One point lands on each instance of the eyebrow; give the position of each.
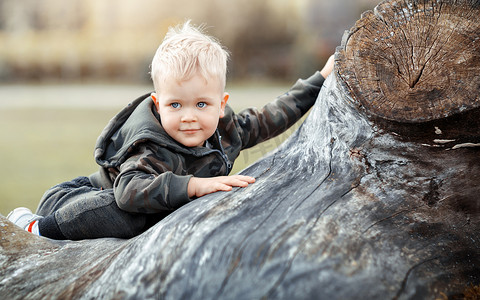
(201, 98)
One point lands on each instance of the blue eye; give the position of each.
(175, 105)
(201, 104)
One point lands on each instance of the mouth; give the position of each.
(189, 131)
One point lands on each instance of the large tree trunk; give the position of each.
(376, 196)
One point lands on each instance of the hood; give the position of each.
(136, 123)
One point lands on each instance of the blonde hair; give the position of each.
(185, 51)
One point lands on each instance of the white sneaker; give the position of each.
(23, 218)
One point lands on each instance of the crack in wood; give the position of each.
(417, 78)
(432, 196)
(405, 279)
(403, 211)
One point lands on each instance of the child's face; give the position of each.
(190, 110)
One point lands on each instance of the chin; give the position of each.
(191, 145)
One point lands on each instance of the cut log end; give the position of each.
(414, 62)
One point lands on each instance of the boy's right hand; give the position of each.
(198, 186)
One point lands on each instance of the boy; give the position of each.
(166, 148)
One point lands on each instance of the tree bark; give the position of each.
(376, 196)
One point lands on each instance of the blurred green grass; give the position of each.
(43, 146)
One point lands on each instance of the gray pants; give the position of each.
(83, 211)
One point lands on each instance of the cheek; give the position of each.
(168, 121)
(211, 121)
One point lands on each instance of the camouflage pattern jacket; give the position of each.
(149, 171)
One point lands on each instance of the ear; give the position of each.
(223, 104)
(154, 98)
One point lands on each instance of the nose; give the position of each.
(188, 116)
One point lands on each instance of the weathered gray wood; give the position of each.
(352, 206)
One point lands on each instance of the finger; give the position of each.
(248, 179)
(219, 187)
(237, 182)
(223, 187)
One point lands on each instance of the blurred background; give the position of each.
(66, 67)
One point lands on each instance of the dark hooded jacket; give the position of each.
(149, 171)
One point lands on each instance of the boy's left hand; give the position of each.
(328, 68)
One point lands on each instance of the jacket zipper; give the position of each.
(224, 156)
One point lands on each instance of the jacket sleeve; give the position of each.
(147, 184)
(256, 126)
